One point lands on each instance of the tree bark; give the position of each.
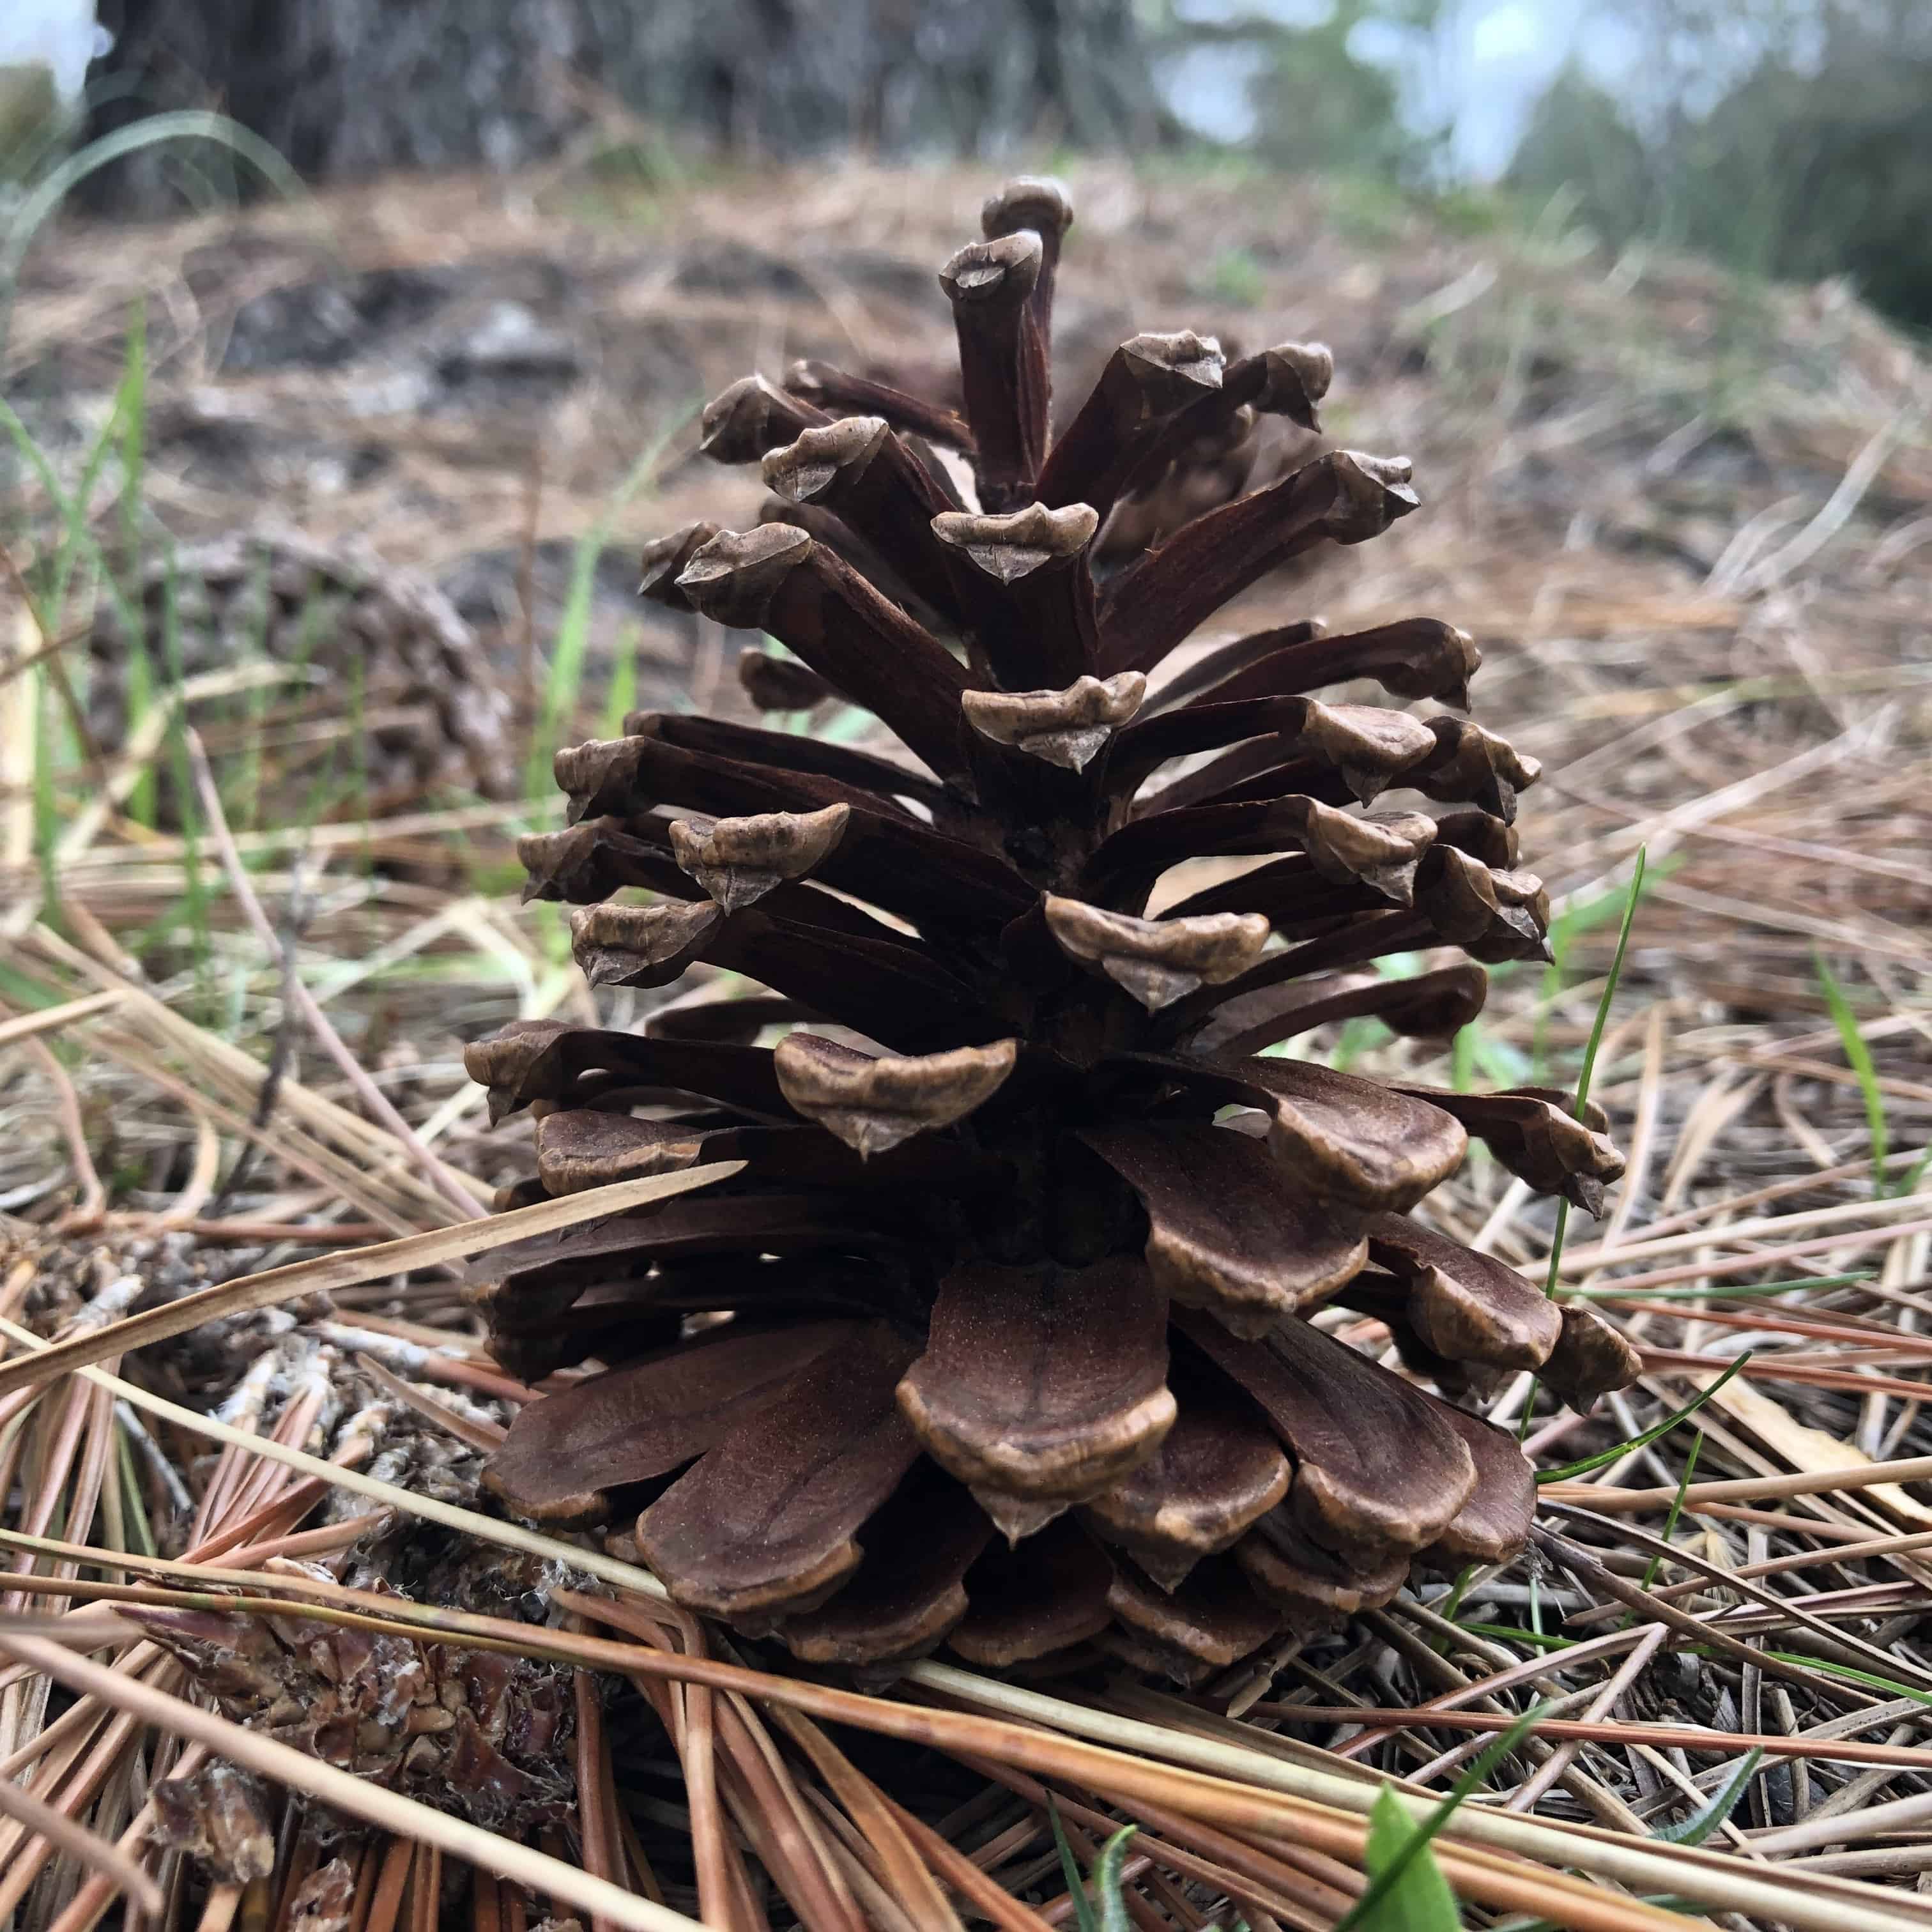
(346, 87)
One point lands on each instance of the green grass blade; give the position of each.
(133, 414)
(1533, 1640)
(1109, 1889)
(1564, 930)
(22, 440)
(572, 644)
(1858, 1055)
(1453, 1602)
(1605, 1458)
(130, 404)
(1561, 1231)
(183, 125)
(144, 802)
(1676, 1507)
(1407, 1891)
(1083, 1909)
(134, 410)
(1702, 1822)
(1612, 980)
(1596, 1040)
(144, 806)
(1869, 1679)
(1744, 1291)
(1367, 1914)
(621, 697)
(568, 654)
(248, 813)
(132, 1500)
(46, 803)
(195, 902)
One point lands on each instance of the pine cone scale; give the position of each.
(1222, 1234)
(766, 1524)
(561, 1460)
(1156, 604)
(911, 1592)
(1217, 1471)
(1495, 1521)
(1045, 1383)
(1214, 1618)
(1030, 1603)
(1376, 1468)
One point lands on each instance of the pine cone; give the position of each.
(1021, 1265)
(475, 1732)
(220, 1815)
(384, 652)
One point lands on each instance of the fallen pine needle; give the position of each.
(62, 1832)
(330, 1272)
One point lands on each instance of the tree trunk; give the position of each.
(344, 88)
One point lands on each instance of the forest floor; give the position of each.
(1688, 521)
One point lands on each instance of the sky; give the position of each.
(1493, 58)
(60, 32)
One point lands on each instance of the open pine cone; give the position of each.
(1022, 1263)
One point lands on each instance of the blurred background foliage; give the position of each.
(1813, 159)
(1789, 138)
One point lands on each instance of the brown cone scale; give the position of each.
(1004, 1339)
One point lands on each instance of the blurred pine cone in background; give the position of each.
(388, 701)
(1023, 1267)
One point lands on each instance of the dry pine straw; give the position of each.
(1762, 729)
(753, 1796)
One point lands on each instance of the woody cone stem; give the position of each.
(1034, 1211)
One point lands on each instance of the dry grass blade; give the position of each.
(1261, 1795)
(94, 1633)
(485, 1436)
(330, 1272)
(1677, 1737)
(1240, 1806)
(1805, 1482)
(907, 1876)
(51, 1019)
(372, 1097)
(989, 1901)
